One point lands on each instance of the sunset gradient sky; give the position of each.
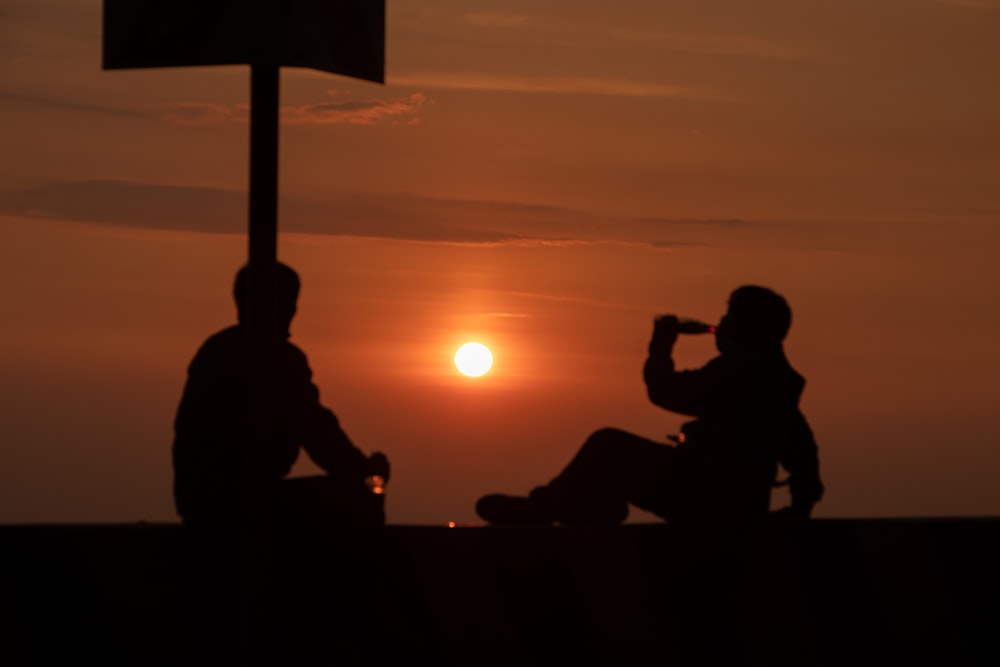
(541, 176)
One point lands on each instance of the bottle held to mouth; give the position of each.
(686, 325)
(690, 326)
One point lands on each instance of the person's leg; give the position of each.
(325, 499)
(328, 533)
(611, 469)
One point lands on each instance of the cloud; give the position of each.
(506, 315)
(496, 19)
(51, 102)
(367, 112)
(204, 113)
(557, 85)
(720, 44)
(340, 111)
(403, 217)
(133, 205)
(691, 221)
(583, 29)
(973, 4)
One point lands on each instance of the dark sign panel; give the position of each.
(338, 36)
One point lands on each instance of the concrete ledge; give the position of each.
(830, 592)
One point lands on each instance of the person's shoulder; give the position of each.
(781, 365)
(224, 339)
(293, 357)
(288, 347)
(222, 343)
(783, 376)
(794, 378)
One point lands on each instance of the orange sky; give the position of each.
(544, 177)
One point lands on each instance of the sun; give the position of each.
(473, 359)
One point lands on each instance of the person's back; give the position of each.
(213, 424)
(731, 451)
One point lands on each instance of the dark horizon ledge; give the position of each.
(827, 592)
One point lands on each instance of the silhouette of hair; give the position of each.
(286, 283)
(760, 314)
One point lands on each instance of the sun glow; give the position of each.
(473, 359)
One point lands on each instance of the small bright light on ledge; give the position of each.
(451, 524)
(473, 359)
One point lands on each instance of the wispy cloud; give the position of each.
(64, 104)
(336, 111)
(203, 113)
(496, 19)
(396, 216)
(366, 112)
(506, 315)
(722, 44)
(572, 31)
(557, 85)
(690, 221)
(130, 204)
(973, 4)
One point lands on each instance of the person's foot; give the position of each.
(502, 509)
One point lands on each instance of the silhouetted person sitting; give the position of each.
(212, 430)
(724, 462)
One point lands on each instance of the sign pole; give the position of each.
(258, 552)
(263, 223)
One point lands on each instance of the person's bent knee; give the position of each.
(602, 443)
(606, 434)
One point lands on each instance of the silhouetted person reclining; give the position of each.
(212, 430)
(724, 462)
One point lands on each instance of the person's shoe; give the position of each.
(501, 509)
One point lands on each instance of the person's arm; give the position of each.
(800, 457)
(328, 446)
(318, 430)
(686, 392)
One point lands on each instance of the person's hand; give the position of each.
(665, 330)
(378, 464)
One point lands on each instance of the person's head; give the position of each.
(286, 294)
(757, 319)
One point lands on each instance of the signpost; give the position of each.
(339, 36)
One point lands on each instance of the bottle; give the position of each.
(686, 325)
(375, 484)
